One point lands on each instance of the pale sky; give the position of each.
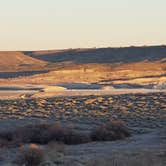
(58, 24)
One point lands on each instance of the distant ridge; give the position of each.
(102, 55)
(126, 65)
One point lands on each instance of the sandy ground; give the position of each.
(143, 150)
(9, 95)
(94, 92)
(36, 94)
(152, 141)
(85, 111)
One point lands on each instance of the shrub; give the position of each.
(4, 143)
(6, 139)
(37, 133)
(45, 133)
(6, 135)
(112, 130)
(31, 155)
(76, 138)
(48, 132)
(67, 135)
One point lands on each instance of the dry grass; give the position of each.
(54, 153)
(144, 158)
(30, 155)
(35, 155)
(55, 146)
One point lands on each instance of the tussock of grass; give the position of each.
(31, 155)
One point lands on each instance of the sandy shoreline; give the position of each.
(5, 95)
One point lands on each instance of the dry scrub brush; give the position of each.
(30, 155)
(43, 134)
(48, 132)
(110, 131)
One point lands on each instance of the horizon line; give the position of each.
(84, 48)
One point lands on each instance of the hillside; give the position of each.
(103, 55)
(107, 66)
(17, 61)
(141, 73)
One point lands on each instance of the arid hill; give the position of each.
(129, 65)
(103, 55)
(18, 61)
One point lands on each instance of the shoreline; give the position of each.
(18, 94)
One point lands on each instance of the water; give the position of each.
(17, 88)
(80, 86)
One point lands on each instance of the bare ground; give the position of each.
(143, 113)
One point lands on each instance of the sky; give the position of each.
(61, 24)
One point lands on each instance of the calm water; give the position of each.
(16, 88)
(81, 86)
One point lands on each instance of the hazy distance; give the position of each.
(54, 24)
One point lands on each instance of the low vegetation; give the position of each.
(31, 151)
(111, 131)
(31, 155)
(48, 132)
(35, 155)
(131, 158)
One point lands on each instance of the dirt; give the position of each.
(149, 148)
(143, 113)
(56, 92)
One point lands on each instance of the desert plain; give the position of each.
(84, 89)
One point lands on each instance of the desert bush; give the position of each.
(76, 138)
(37, 133)
(4, 143)
(6, 138)
(45, 133)
(6, 135)
(48, 132)
(66, 135)
(110, 131)
(30, 155)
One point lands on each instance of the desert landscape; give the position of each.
(83, 107)
(82, 83)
